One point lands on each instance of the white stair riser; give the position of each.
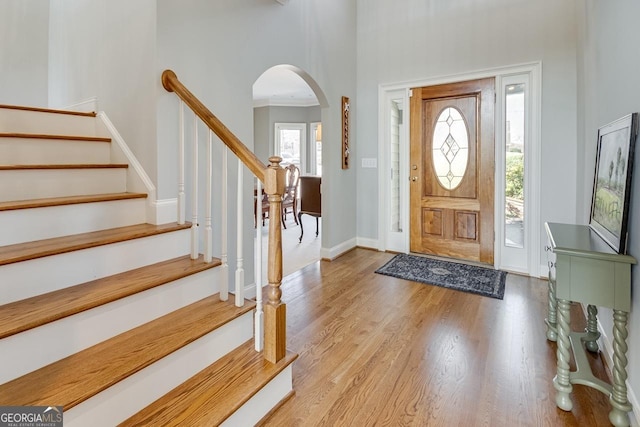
(41, 123)
(21, 353)
(263, 401)
(56, 221)
(129, 396)
(38, 276)
(43, 183)
(30, 151)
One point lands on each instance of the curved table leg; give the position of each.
(561, 381)
(591, 342)
(301, 227)
(551, 320)
(619, 414)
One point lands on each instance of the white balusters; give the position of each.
(239, 245)
(259, 315)
(194, 193)
(224, 286)
(181, 206)
(208, 231)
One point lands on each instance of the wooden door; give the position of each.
(452, 170)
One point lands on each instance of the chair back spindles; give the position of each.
(290, 197)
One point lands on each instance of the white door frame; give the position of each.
(387, 92)
(313, 156)
(302, 127)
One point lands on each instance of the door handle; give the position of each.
(414, 178)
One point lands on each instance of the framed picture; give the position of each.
(612, 181)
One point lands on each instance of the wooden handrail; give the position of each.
(273, 176)
(171, 83)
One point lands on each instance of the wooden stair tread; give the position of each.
(214, 394)
(55, 137)
(80, 376)
(68, 200)
(30, 313)
(70, 166)
(58, 245)
(48, 110)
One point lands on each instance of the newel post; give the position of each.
(275, 311)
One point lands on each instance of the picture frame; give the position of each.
(612, 181)
(346, 112)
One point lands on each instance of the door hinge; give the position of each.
(410, 93)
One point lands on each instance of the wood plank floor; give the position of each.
(375, 350)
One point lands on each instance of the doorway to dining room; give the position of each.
(287, 123)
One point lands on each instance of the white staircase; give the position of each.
(101, 312)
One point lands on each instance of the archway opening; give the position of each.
(288, 105)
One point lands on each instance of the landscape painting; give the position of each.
(612, 181)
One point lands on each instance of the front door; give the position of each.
(452, 170)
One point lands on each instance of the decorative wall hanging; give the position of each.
(345, 132)
(612, 182)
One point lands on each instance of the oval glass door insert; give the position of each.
(450, 148)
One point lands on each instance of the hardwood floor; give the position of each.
(375, 350)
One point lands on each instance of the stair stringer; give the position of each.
(26, 279)
(122, 400)
(83, 330)
(158, 211)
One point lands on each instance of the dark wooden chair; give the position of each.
(290, 197)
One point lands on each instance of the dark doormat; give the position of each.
(462, 277)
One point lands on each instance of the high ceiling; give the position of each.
(279, 86)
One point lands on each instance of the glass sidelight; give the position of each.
(514, 149)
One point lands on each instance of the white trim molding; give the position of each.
(85, 106)
(363, 242)
(394, 90)
(165, 211)
(332, 253)
(137, 178)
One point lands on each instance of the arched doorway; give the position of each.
(288, 107)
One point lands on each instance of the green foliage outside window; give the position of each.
(515, 176)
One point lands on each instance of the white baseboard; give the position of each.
(250, 291)
(137, 178)
(85, 106)
(334, 252)
(163, 211)
(363, 242)
(544, 271)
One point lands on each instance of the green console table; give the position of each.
(583, 268)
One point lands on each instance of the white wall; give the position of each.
(610, 88)
(219, 48)
(106, 49)
(409, 40)
(24, 43)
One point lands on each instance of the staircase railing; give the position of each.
(273, 177)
